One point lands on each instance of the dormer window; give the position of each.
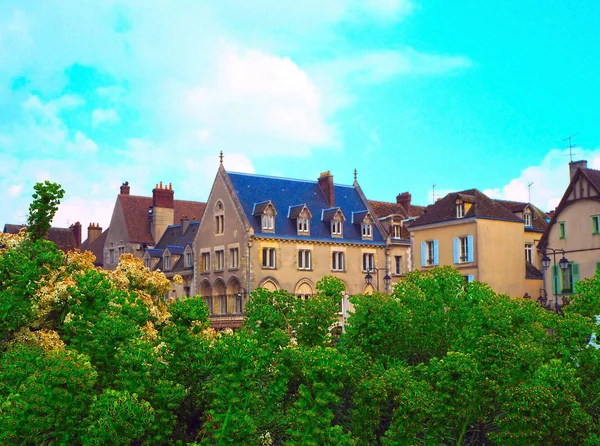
(460, 209)
(367, 230)
(167, 262)
(268, 222)
(336, 227)
(527, 218)
(302, 215)
(396, 231)
(147, 263)
(303, 225)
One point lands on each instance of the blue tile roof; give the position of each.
(285, 192)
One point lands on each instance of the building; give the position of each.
(95, 243)
(174, 254)
(575, 229)
(139, 222)
(281, 233)
(487, 240)
(66, 239)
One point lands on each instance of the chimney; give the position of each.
(404, 199)
(185, 223)
(326, 185)
(163, 210)
(574, 165)
(125, 188)
(94, 231)
(76, 228)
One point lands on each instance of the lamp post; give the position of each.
(386, 279)
(562, 263)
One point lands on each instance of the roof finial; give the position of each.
(355, 174)
(221, 157)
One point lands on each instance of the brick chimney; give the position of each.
(574, 165)
(94, 231)
(163, 210)
(185, 224)
(404, 199)
(125, 188)
(76, 228)
(326, 185)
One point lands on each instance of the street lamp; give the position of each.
(563, 265)
(386, 279)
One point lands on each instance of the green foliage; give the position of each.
(46, 199)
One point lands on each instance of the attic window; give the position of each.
(367, 230)
(268, 222)
(336, 227)
(460, 209)
(527, 218)
(167, 262)
(303, 225)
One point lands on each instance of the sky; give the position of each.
(411, 93)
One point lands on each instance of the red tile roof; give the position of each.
(63, 238)
(135, 211)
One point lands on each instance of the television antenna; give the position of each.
(570, 139)
(529, 187)
(433, 193)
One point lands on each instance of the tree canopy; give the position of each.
(90, 356)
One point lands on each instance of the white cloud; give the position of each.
(104, 116)
(85, 211)
(550, 179)
(15, 190)
(83, 145)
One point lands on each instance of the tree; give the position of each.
(46, 199)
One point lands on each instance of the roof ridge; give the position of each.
(273, 177)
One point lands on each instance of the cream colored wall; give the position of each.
(287, 275)
(445, 234)
(581, 246)
(501, 256)
(234, 235)
(161, 219)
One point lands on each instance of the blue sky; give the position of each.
(411, 93)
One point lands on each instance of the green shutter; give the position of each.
(575, 274)
(555, 279)
(597, 267)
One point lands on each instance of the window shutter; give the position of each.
(597, 267)
(456, 250)
(575, 274)
(423, 254)
(470, 247)
(435, 253)
(470, 278)
(555, 279)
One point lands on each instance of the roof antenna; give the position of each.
(221, 157)
(433, 193)
(570, 137)
(355, 174)
(529, 187)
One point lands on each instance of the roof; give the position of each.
(135, 212)
(295, 211)
(384, 209)
(482, 207)
(328, 214)
(63, 238)
(286, 192)
(593, 176)
(175, 242)
(531, 272)
(539, 219)
(96, 247)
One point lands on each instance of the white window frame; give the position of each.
(148, 262)
(430, 252)
(464, 250)
(338, 261)
(396, 231)
(167, 262)
(303, 225)
(529, 253)
(527, 218)
(367, 230)
(460, 210)
(368, 262)
(188, 259)
(269, 259)
(305, 259)
(336, 227)
(268, 222)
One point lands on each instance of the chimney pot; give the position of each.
(404, 199)
(94, 231)
(125, 188)
(574, 165)
(163, 197)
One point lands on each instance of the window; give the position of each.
(205, 264)
(595, 224)
(397, 265)
(238, 303)
(336, 227)
(234, 258)
(564, 281)
(463, 249)
(396, 231)
(337, 261)
(367, 230)
(121, 250)
(167, 262)
(529, 252)
(147, 263)
(368, 262)
(460, 210)
(429, 252)
(268, 258)
(188, 259)
(186, 291)
(303, 225)
(527, 218)
(304, 259)
(219, 222)
(111, 253)
(562, 230)
(219, 260)
(268, 222)
(223, 304)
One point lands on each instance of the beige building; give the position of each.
(487, 240)
(574, 229)
(281, 233)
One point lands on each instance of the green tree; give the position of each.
(46, 199)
